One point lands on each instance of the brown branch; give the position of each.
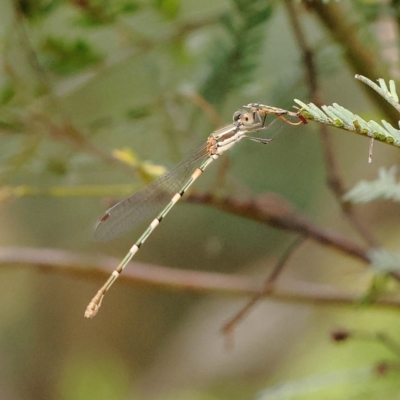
(268, 286)
(83, 267)
(275, 211)
(307, 52)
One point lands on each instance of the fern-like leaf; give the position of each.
(384, 261)
(385, 187)
(234, 59)
(390, 95)
(342, 118)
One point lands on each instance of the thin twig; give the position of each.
(392, 345)
(32, 58)
(228, 327)
(94, 267)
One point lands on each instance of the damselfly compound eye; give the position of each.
(236, 116)
(247, 119)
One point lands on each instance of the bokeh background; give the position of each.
(97, 97)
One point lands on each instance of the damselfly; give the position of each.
(165, 191)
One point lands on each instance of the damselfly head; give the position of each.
(245, 119)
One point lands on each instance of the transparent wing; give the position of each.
(147, 202)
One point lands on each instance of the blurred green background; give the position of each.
(83, 78)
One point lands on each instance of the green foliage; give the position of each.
(340, 117)
(235, 57)
(87, 377)
(36, 9)
(96, 12)
(57, 166)
(67, 57)
(389, 94)
(309, 386)
(383, 188)
(362, 383)
(370, 10)
(6, 94)
(65, 144)
(169, 8)
(380, 282)
(138, 113)
(384, 261)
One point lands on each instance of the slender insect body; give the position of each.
(168, 189)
